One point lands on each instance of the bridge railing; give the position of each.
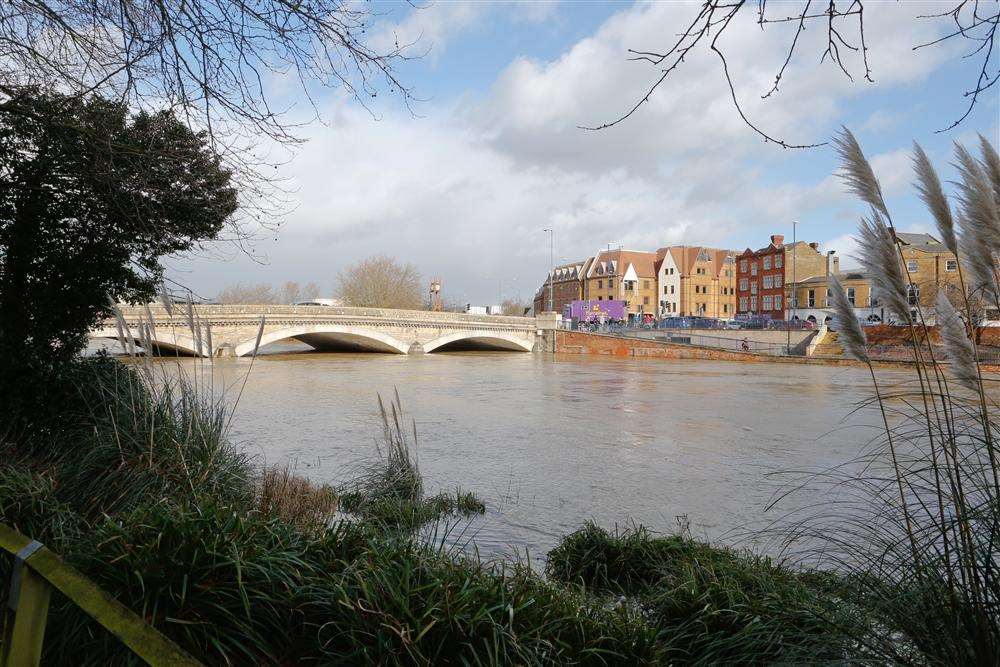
(254, 311)
(35, 573)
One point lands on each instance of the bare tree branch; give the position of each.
(845, 32)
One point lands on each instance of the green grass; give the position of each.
(713, 605)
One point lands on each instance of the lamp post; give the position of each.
(795, 295)
(552, 234)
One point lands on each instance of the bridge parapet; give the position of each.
(252, 311)
(234, 328)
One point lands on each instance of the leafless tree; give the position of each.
(214, 60)
(256, 294)
(974, 21)
(223, 65)
(382, 282)
(513, 307)
(309, 292)
(290, 292)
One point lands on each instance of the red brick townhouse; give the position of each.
(760, 280)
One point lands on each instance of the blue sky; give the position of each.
(492, 155)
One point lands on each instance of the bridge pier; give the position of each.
(416, 348)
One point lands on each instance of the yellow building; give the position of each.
(929, 266)
(694, 280)
(628, 275)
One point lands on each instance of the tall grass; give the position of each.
(711, 605)
(391, 489)
(915, 524)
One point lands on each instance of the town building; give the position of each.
(929, 266)
(765, 277)
(567, 286)
(695, 280)
(812, 294)
(627, 275)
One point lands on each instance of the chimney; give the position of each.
(835, 261)
(777, 239)
(814, 246)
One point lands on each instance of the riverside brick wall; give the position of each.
(577, 342)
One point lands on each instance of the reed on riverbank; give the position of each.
(915, 525)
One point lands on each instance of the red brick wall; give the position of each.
(576, 342)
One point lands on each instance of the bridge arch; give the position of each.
(494, 340)
(330, 336)
(165, 341)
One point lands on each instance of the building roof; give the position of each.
(924, 242)
(618, 261)
(770, 247)
(685, 257)
(821, 278)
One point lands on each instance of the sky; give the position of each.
(463, 183)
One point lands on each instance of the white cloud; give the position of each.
(428, 27)
(534, 109)
(464, 193)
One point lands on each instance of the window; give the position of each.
(767, 264)
(777, 261)
(725, 307)
(600, 284)
(645, 284)
(600, 298)
(767, 303)
(664, 289)
(671, 289)
(743, 285)
(753, 269)
(671, 271)
(828, 295)
(629, 285)
(645, 300)
(777, 302)
(753, 303)
(951, 265)
(850, 295)
(913, 294)
(811, 298)
(743, 304)
(743, 267)
(753, 288)
(767, 282)
(611, 283)
(911, 265)
(611, 298)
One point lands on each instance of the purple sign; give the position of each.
(595, 311)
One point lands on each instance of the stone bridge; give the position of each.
(233, 329)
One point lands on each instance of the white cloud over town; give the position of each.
(464, 190)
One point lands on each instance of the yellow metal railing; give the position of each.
(36, 572)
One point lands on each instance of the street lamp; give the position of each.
(552, 234)
(795, 294)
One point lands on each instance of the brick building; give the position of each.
(760, 280)
(764, 277)
(567, 286)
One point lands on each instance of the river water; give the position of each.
(549, 443)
